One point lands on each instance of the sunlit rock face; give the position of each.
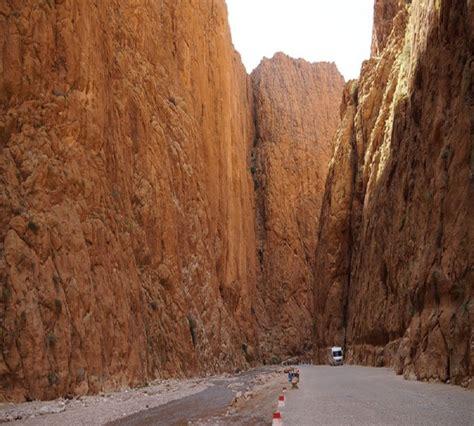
(395, 254)
(160, 209)
(385, 12)
(296, 114)
(127, 243)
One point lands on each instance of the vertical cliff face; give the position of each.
(395, 246)
(296, 113)
(385, 12)
(159, 208)
(334, 245)
(127, 247)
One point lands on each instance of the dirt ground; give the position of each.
(254, 409)
(246, 398)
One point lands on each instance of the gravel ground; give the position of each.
(351, 395)
(210, 406)
(163, 402)
(99, 409)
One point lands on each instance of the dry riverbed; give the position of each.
(225, 398)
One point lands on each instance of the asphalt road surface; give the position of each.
(351, 395)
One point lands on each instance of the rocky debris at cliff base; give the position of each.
(102, 408)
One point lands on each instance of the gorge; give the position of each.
(165, 214)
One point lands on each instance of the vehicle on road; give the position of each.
(335, 356)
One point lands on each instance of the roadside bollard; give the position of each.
(281, 401)
(277, 420)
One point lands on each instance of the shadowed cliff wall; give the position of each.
(395, 253)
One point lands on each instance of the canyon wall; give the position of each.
(160, 209)
(296, 115)
(127, 243)
(394, 267)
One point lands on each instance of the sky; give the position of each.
(316, 30)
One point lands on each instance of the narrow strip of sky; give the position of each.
(317, 30)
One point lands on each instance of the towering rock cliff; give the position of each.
(395, 254)
(296, 115)
(127, 245)
(159, 208)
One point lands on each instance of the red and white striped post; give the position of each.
(277, 419)
(281, 401)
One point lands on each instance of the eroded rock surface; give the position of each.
(296, 115)
(126, 201)
(155, 222)
(396, 245)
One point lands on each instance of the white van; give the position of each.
(335, 355)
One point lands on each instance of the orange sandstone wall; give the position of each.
(297, 113)
(127, 246)
(396, 245)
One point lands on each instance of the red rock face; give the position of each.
(155, 221)
(126, 204)
(385, 12)
(296, 110)
(396, 232)
(128, 217)
(333, 252)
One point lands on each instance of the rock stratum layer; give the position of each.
(296, 116)
(395, 254)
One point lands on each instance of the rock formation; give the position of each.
(160, 209)
(127, 227)
(127, 244)
(395, 254)
(296, 115)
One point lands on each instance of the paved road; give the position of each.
(351, 395)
